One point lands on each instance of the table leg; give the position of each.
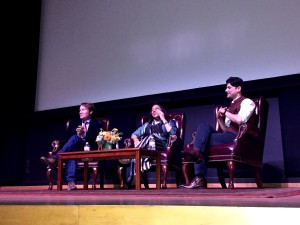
(158, 168)
(85, 174)
(138, 170)
(59, 173)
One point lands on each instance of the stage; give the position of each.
(36, 205)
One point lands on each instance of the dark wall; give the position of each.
(28, 134)
(21, 33)
(289, 105)
(32, 139)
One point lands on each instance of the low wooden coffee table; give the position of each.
(95, 155)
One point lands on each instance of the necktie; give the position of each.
(84, 126)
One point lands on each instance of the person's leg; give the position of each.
(131, 173)
(73, 144)
(202, 137)
(144, 175)
(71, 170)
(215, 138)
(221, 138)
(201, 140)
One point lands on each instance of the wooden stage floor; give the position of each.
(247, 197)
(215, 206)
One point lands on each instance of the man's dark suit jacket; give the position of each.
(93, 131)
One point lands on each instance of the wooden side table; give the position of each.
(95, 155)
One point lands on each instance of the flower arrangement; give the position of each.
(106, 139)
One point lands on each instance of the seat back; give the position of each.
(248, 146)
(104, 121)
(57, 144)
(261, 110)
(172, 154)
(176, 116)
(258, 119)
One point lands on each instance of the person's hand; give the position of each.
(136, 143)
(135, 140)
(222, 111)
(80, 131)
(161, 114)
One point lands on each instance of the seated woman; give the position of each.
(157, 129)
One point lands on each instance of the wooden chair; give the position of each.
(168, 155)
(247, 148)
(57, 144)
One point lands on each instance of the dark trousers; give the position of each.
(73, 144)
(206, 136)
(144, 175)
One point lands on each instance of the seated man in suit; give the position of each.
(81, 130)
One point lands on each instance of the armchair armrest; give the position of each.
(166, 153)
(250, 131)
(128, 143)
(56, 146)
(251, 144)
(171, 141)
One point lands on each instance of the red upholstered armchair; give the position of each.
(170, 154)
(247, 148)
(56, 145)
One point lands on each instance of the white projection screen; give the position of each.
(103, 50)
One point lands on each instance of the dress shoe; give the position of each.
(124, 187)
(71, 185)
(51, 162)
(129, 186)
(196, 183)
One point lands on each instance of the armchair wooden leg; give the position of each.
(101, 173)
(185, 172)
(120, 175)
(178, 177)
(49, 172)
(95, 174)
(231, 168)
(164, 176)
(221, 177)
(258, 178)
(145, 179)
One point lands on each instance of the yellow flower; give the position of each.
(114, 138)
(108, 137)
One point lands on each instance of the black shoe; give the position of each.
(50, 162)
(131, 187)
(127, 187)
(196, 183)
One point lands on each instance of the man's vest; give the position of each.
(234, 108)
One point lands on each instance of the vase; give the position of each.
(108, 146)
